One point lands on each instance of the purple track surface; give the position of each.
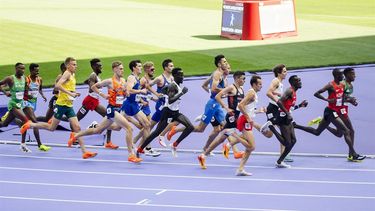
(61, 180)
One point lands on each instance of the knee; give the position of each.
(250, 148)
(190, 128)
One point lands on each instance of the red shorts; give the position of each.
(243, 124)
(90, 103)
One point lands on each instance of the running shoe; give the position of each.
(173, 150)
(161, 141)
(93, 124)
(243, 173)
(88, 154)
(139, 152)
(198, 118)
(171, 132)
(288, 159)
(226, 148)
(49, 121)
(282, 165)
(110, 145)
(25, 127)
(238, 155)
(315, 121)
(5, 116)
(202, 161)
(71, 139)
(152, 152)
(24, 148)
(356, 158)
(44, 148)
(265, 127)
(134, 159)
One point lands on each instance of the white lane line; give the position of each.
(144, 201)
(134, 204)
(189, 164)
(186, 191)
(162, 191)
(189, 176)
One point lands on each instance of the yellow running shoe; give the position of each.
(315, 121)
(44, 148)
(5, 116)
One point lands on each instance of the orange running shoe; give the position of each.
(134, 159)
(171, 132)
(202, 161)
(71, 139)
(110, 145)
(226, 150)
(88, 154)
(238, 155)
(25, 127)
(49, 121)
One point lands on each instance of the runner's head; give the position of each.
(19, 68)
(34, 69)
(256, 83)
(96, 65)
(178, 75)
(118, 68)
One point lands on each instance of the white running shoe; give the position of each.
(243, 173)
(173, 150)
(24, 148)
(265, 128)
(152, 152)
(198, 118)
(93, 124)
(282, 165)
(161, 141)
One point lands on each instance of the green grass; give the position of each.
(297, 55)
(350, 25)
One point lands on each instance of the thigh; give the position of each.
(183, 120)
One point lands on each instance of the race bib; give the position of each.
(19, 95)
(335, 114)
(343, 111)
(169, 120)
(270, 116)
(248, 126)
(34, 94)
(119, 99)
(71, 98)
(232, 119)
(282, 114)
(138, 98)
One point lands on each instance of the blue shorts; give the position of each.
(213, 110)
(146, 110)
(130, 108)
(111, 111)
(29, 104)
(157, 115)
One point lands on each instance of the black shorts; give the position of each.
(282, 119)
(231, 121)
(52, 102)
(111, 111)
(169, 115)
(330, 114)
(272, 113)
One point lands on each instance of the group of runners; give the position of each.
(129, 104)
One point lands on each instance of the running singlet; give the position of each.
(338, 95)
(116, 95)
(175, 106)
(92, 93)
(135, 97)
(161, 101)
(280, 90)
(33, 89)
(348, 91)
(64, 99)
(289, 103)
(17, 91)
(235, 99)
(251, 107)
(221, 85)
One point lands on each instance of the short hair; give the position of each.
(176, 70)
(18, 64)
(348, 70)
(278, 69)
(218, 58)
(62, 66)
(116, 64)
(147, 64)
(33, 66)
(133, 64)
(68, 60)
(238, 74)
(254, 79)
(165, 63)
(335, 71)
(292, 78)
(94, 61)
